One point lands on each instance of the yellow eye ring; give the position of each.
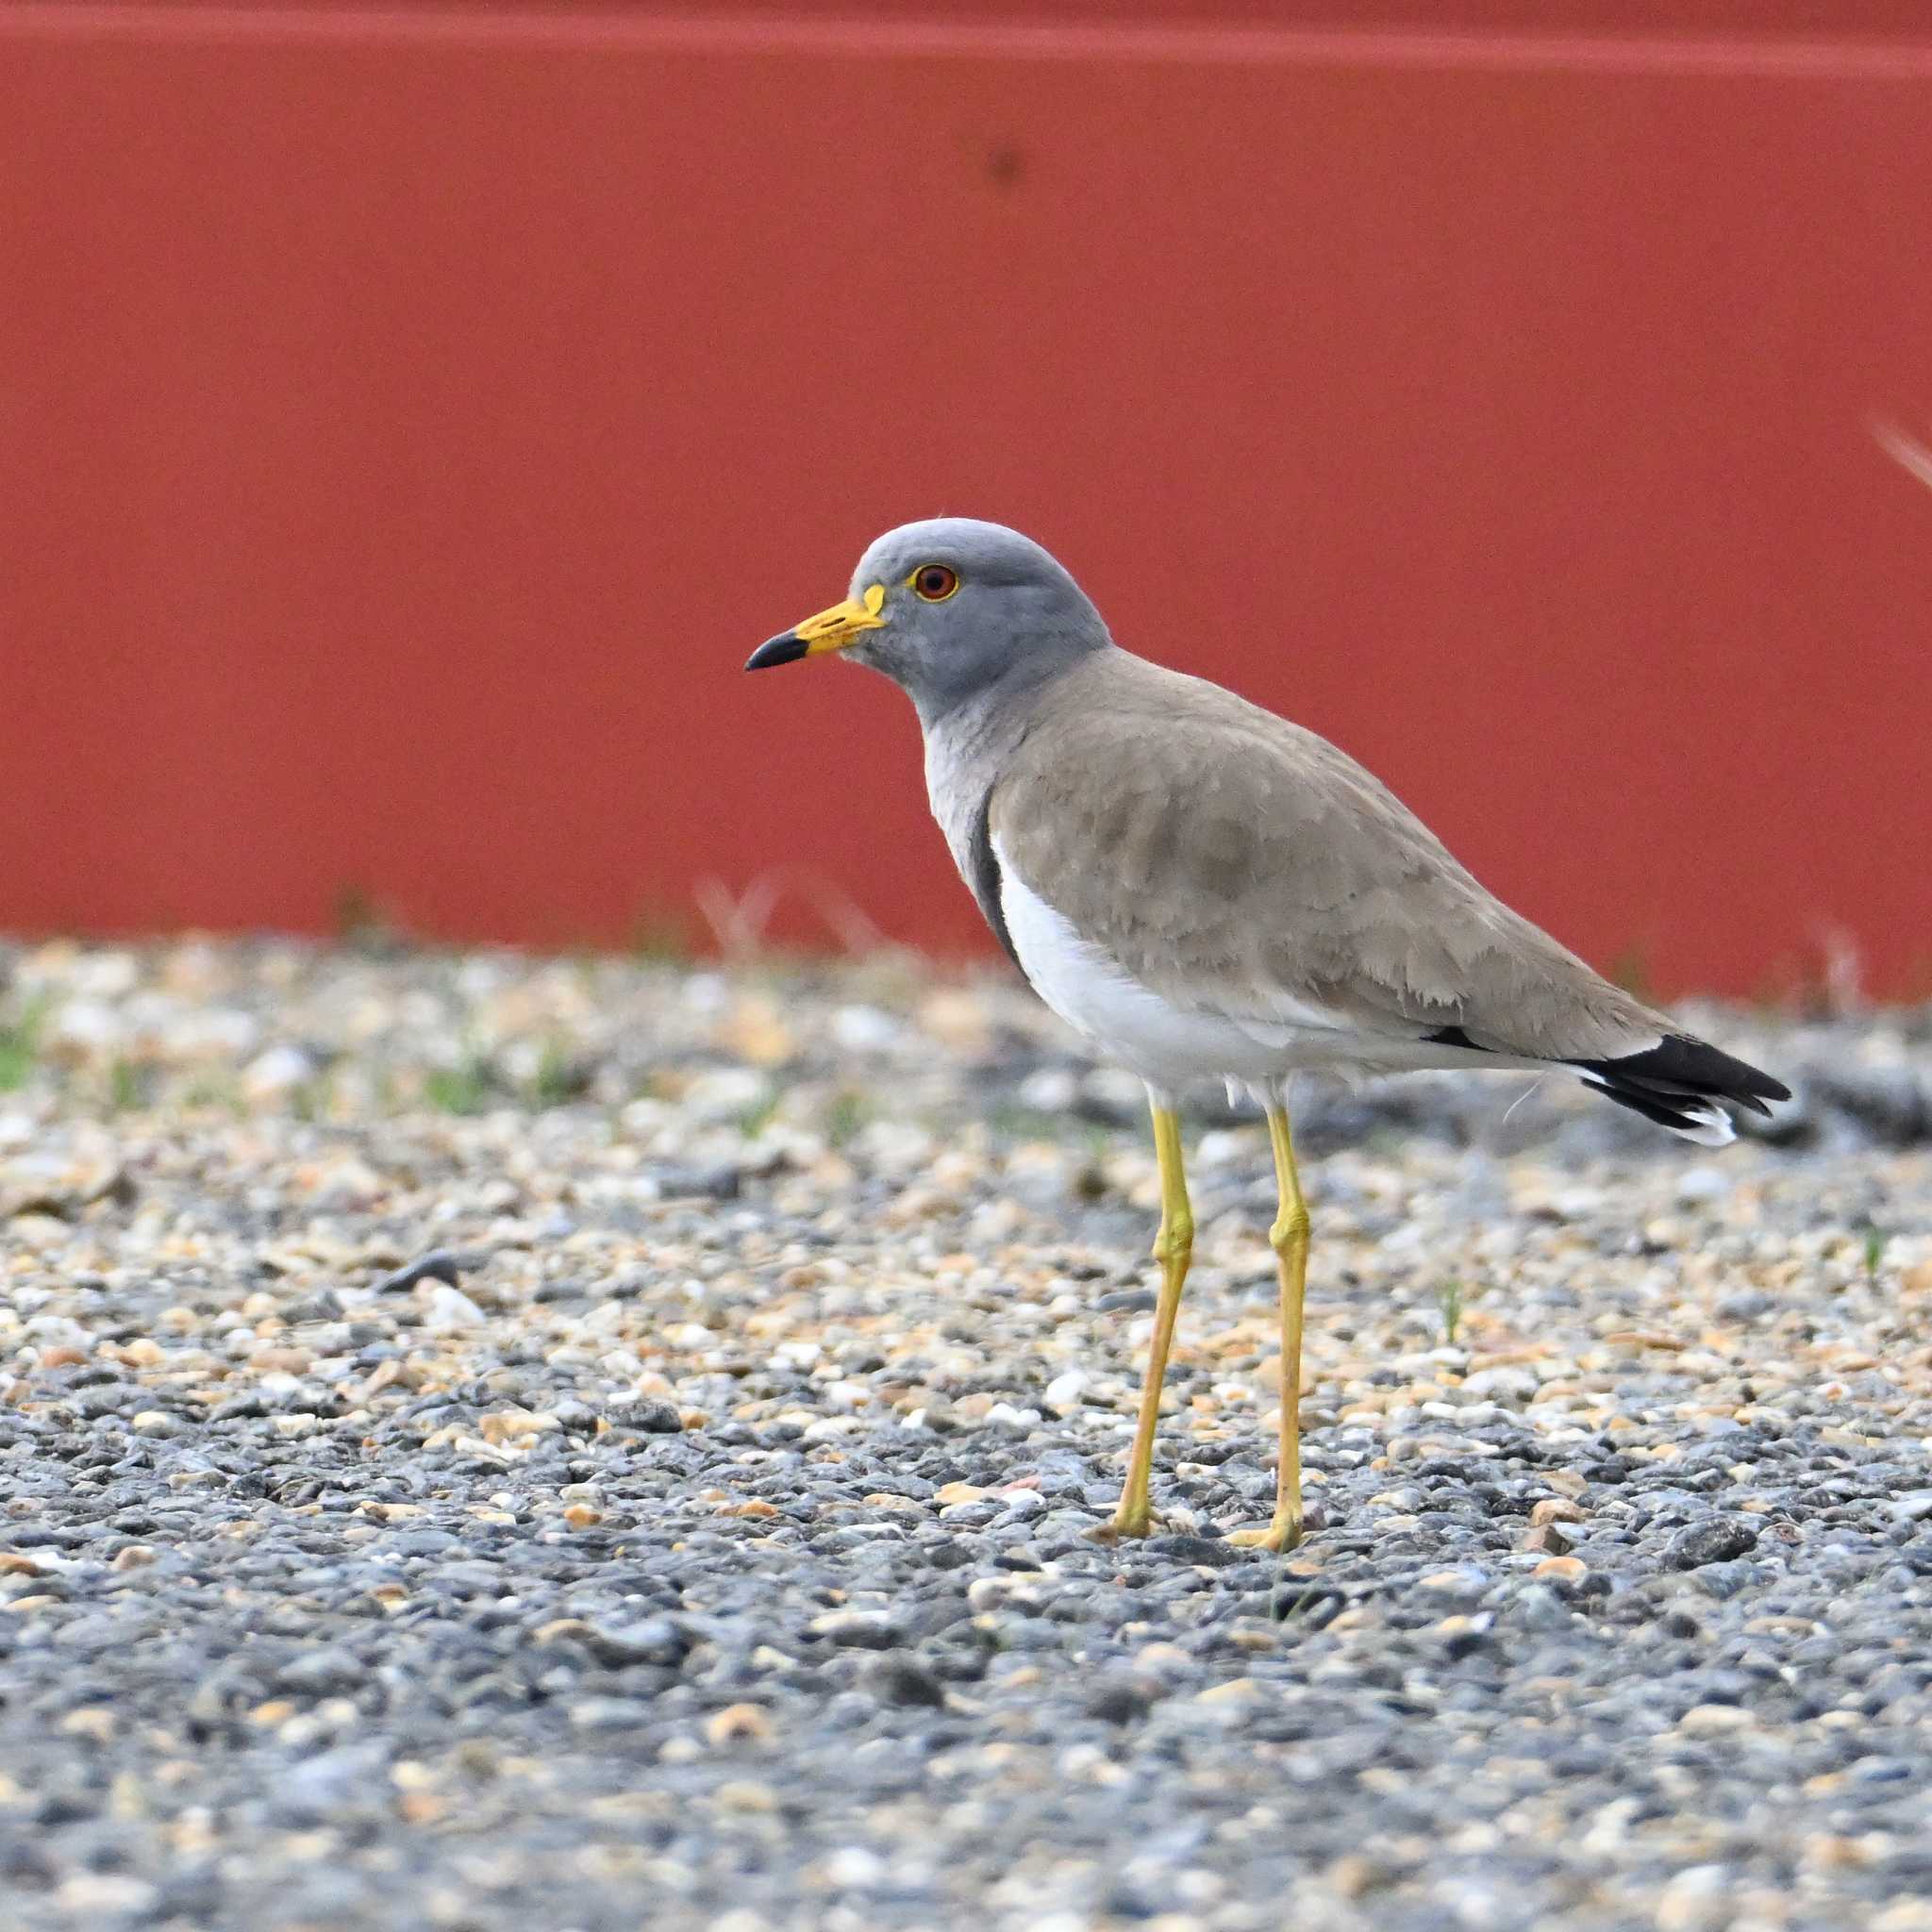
(934, 582)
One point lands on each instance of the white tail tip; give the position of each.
(1712, 1127)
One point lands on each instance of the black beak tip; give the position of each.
(782, 649)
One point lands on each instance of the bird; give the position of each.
(1206, 892)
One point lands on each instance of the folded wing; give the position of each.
(1241, 865)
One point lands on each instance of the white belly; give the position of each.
(1135, 1026)
(1170, 1046)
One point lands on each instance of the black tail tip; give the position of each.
(1680, 1068)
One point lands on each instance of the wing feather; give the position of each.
(1240, 864)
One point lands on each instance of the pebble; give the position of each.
(449, 1309)
(902, 1680)
(665, 1489)
(1721, 1540)
(738, 1723)
(277, 1073)
(1062, 1395)
(857, 1629)
(1561, 1570)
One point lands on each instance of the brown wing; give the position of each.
(1235, 862)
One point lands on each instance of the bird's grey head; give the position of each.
(950, 609)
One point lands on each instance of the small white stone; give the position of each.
(992, 1592)
(1703, 1184)
(94, 1895)
(1052, 1090)
(727, 1092)
(1064, 1391)
(864, 1029)
(450, 1308)
(854, 1866)
(279, 1070)
(1118, 1089)
(1695, 1900)
(1578, 1203)
(1707, 1720)
(1502, 1385)
(223, 1032)
(1014, 1417)
(106, 976)
(828, 1428)
(88, 1025)
(1219, 1147)
(707, 992)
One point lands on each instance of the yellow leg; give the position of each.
(1289, 1238)
(1172, 1246)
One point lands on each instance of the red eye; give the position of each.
(935, 582)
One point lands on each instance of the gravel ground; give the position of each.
(488, 1443)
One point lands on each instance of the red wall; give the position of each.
(411, 420)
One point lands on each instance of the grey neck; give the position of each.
(968, 744)
(985, 728)
(998, 709)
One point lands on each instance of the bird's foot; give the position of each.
(1284, 1533)
(1125, 1525)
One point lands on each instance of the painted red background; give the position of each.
(410, 419)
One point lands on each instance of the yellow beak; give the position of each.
(831, 630)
